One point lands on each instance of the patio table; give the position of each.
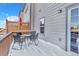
(24, 31)
(26, 37)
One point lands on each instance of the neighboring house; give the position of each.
(2, 30)
(53, 22)
(12, 26)
(25, 14)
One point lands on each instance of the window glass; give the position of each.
(42, 25)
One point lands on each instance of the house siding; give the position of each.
(55, 23)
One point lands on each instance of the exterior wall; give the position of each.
(14, 26)
(55, 22)
(32, 10)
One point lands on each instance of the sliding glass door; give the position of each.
(73, 18)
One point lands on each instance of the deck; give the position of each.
(43, 49)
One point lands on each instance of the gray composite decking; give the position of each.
(43, 49)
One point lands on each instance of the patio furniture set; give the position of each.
(30, 38)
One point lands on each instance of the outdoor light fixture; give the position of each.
(60, 11)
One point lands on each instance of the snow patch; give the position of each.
(13, 18)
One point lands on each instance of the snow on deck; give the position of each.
(43, 49)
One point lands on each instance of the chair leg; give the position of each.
(36, 43)
(28, 43)
(25, 42)
(20, 45)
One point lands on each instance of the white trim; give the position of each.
(68, 32)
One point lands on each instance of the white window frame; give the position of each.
(43, 18)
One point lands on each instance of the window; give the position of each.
(42, 25)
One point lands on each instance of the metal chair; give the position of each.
(33, 33)
(36, 41)
(34, 38)
(19, 40)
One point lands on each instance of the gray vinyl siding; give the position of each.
(55, 23)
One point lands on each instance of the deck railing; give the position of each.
(5, 43)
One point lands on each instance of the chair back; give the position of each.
(36, 36)
(16, 38)
(33, 33)
(18, 34)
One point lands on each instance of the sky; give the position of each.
(7, 10)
